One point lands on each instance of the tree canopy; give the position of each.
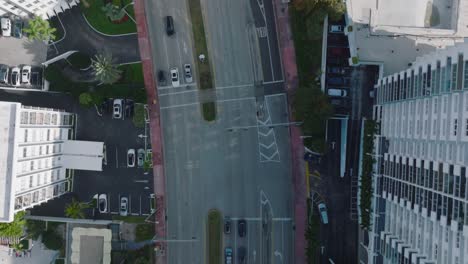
(15, 228)
(39, 29)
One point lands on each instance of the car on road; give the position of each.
(336, 29)
(169, 26)
(6, 26)
(228, 255)
(336, 92)
(117, 109)
(161, 77)
(102, 203)
(18, 28)
(227, 225)
(188, 73)
(241, 252)
(242, 227)
(4, 70)
(15, 76)
(175, 77)
(131, 158)
(26, 74)
(323, 213)
(140, 157)
(123, 206)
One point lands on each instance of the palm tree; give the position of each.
(104, 68)
(75, 209)
(40, 29)
(113, 12)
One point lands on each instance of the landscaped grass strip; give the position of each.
(205, 76)
(214, 237)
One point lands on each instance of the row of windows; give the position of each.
(38, 164)
(30, 199)
(419, 84)
(45, 134)
(442, 193)
(41, 150)
(39, 179)
(41, 118)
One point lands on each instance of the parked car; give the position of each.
(102, 203)
(242, 227)
(6, 26)
(161, 77)
(227, 225)
(117, 112)
(131, 158)
(228, 255)
(15, 76)
(169, 26)
(26, 75)
(188, 73)
(323, 213)
(141, 157)
(175, 77)
(336, 70)
(336, 29)
(338, 81)
(241, 253)
(336, 92)
(18, 28)
(338, 52)
(4, 70)
(123, 206)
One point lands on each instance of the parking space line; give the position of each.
(140, 204)
(116, 158)
(114, 213)
(273, 82)
(134, 214)
(108, 202)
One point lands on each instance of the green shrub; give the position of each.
(35, 228)
(355, 60)
(52, 240)
(144, 232)
(86, 99)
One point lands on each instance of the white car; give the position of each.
(117, 109)
(131, 158)
(26, 75)
(123, 206)
(175, 77)
(141, 157)
(6, 26)
(102, 203)
(188, 73)
(15, 76)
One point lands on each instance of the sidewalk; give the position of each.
(155, 129)
(288, 56)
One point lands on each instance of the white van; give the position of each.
(337, 92)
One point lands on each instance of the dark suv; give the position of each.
(170, 26)
(242, 227)
(227, 225)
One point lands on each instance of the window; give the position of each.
(466, 127)
(25, 150)
(31, 165)
(24, 117)
(455, 126)
(445, 104)
(30, 181)
(435, 105)
(25, 135)
(455, 103)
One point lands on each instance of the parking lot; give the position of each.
(18, 51)
(116, 179)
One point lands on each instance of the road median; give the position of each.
(214, 237)
(203, 72)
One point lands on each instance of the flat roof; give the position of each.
(91, 245)
(83, 155)
(9, 118)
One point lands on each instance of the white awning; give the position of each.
(83, 155)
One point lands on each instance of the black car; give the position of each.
(242, 227)
(169, 26)
(241, 252)
(227, 225)
(161, 77)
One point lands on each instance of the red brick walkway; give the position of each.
(288, 56)
(155, 126)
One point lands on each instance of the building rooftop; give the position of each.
(9, 117)
(91, 245)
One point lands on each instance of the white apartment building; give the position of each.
(38, 156)
(42, 8)
(420, 206)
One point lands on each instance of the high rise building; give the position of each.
(38, 156)
(420, 200)
(42, 8)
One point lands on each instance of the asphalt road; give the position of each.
(244, 173)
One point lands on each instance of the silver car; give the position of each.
(188, 73)
(140, 157)
(123, 206)
(4, 70)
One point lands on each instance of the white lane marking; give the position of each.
(166, 87)
(274, 134)
(235, 86)
(273, 82)
(256, 219)
(116, 158)
(267, 147)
